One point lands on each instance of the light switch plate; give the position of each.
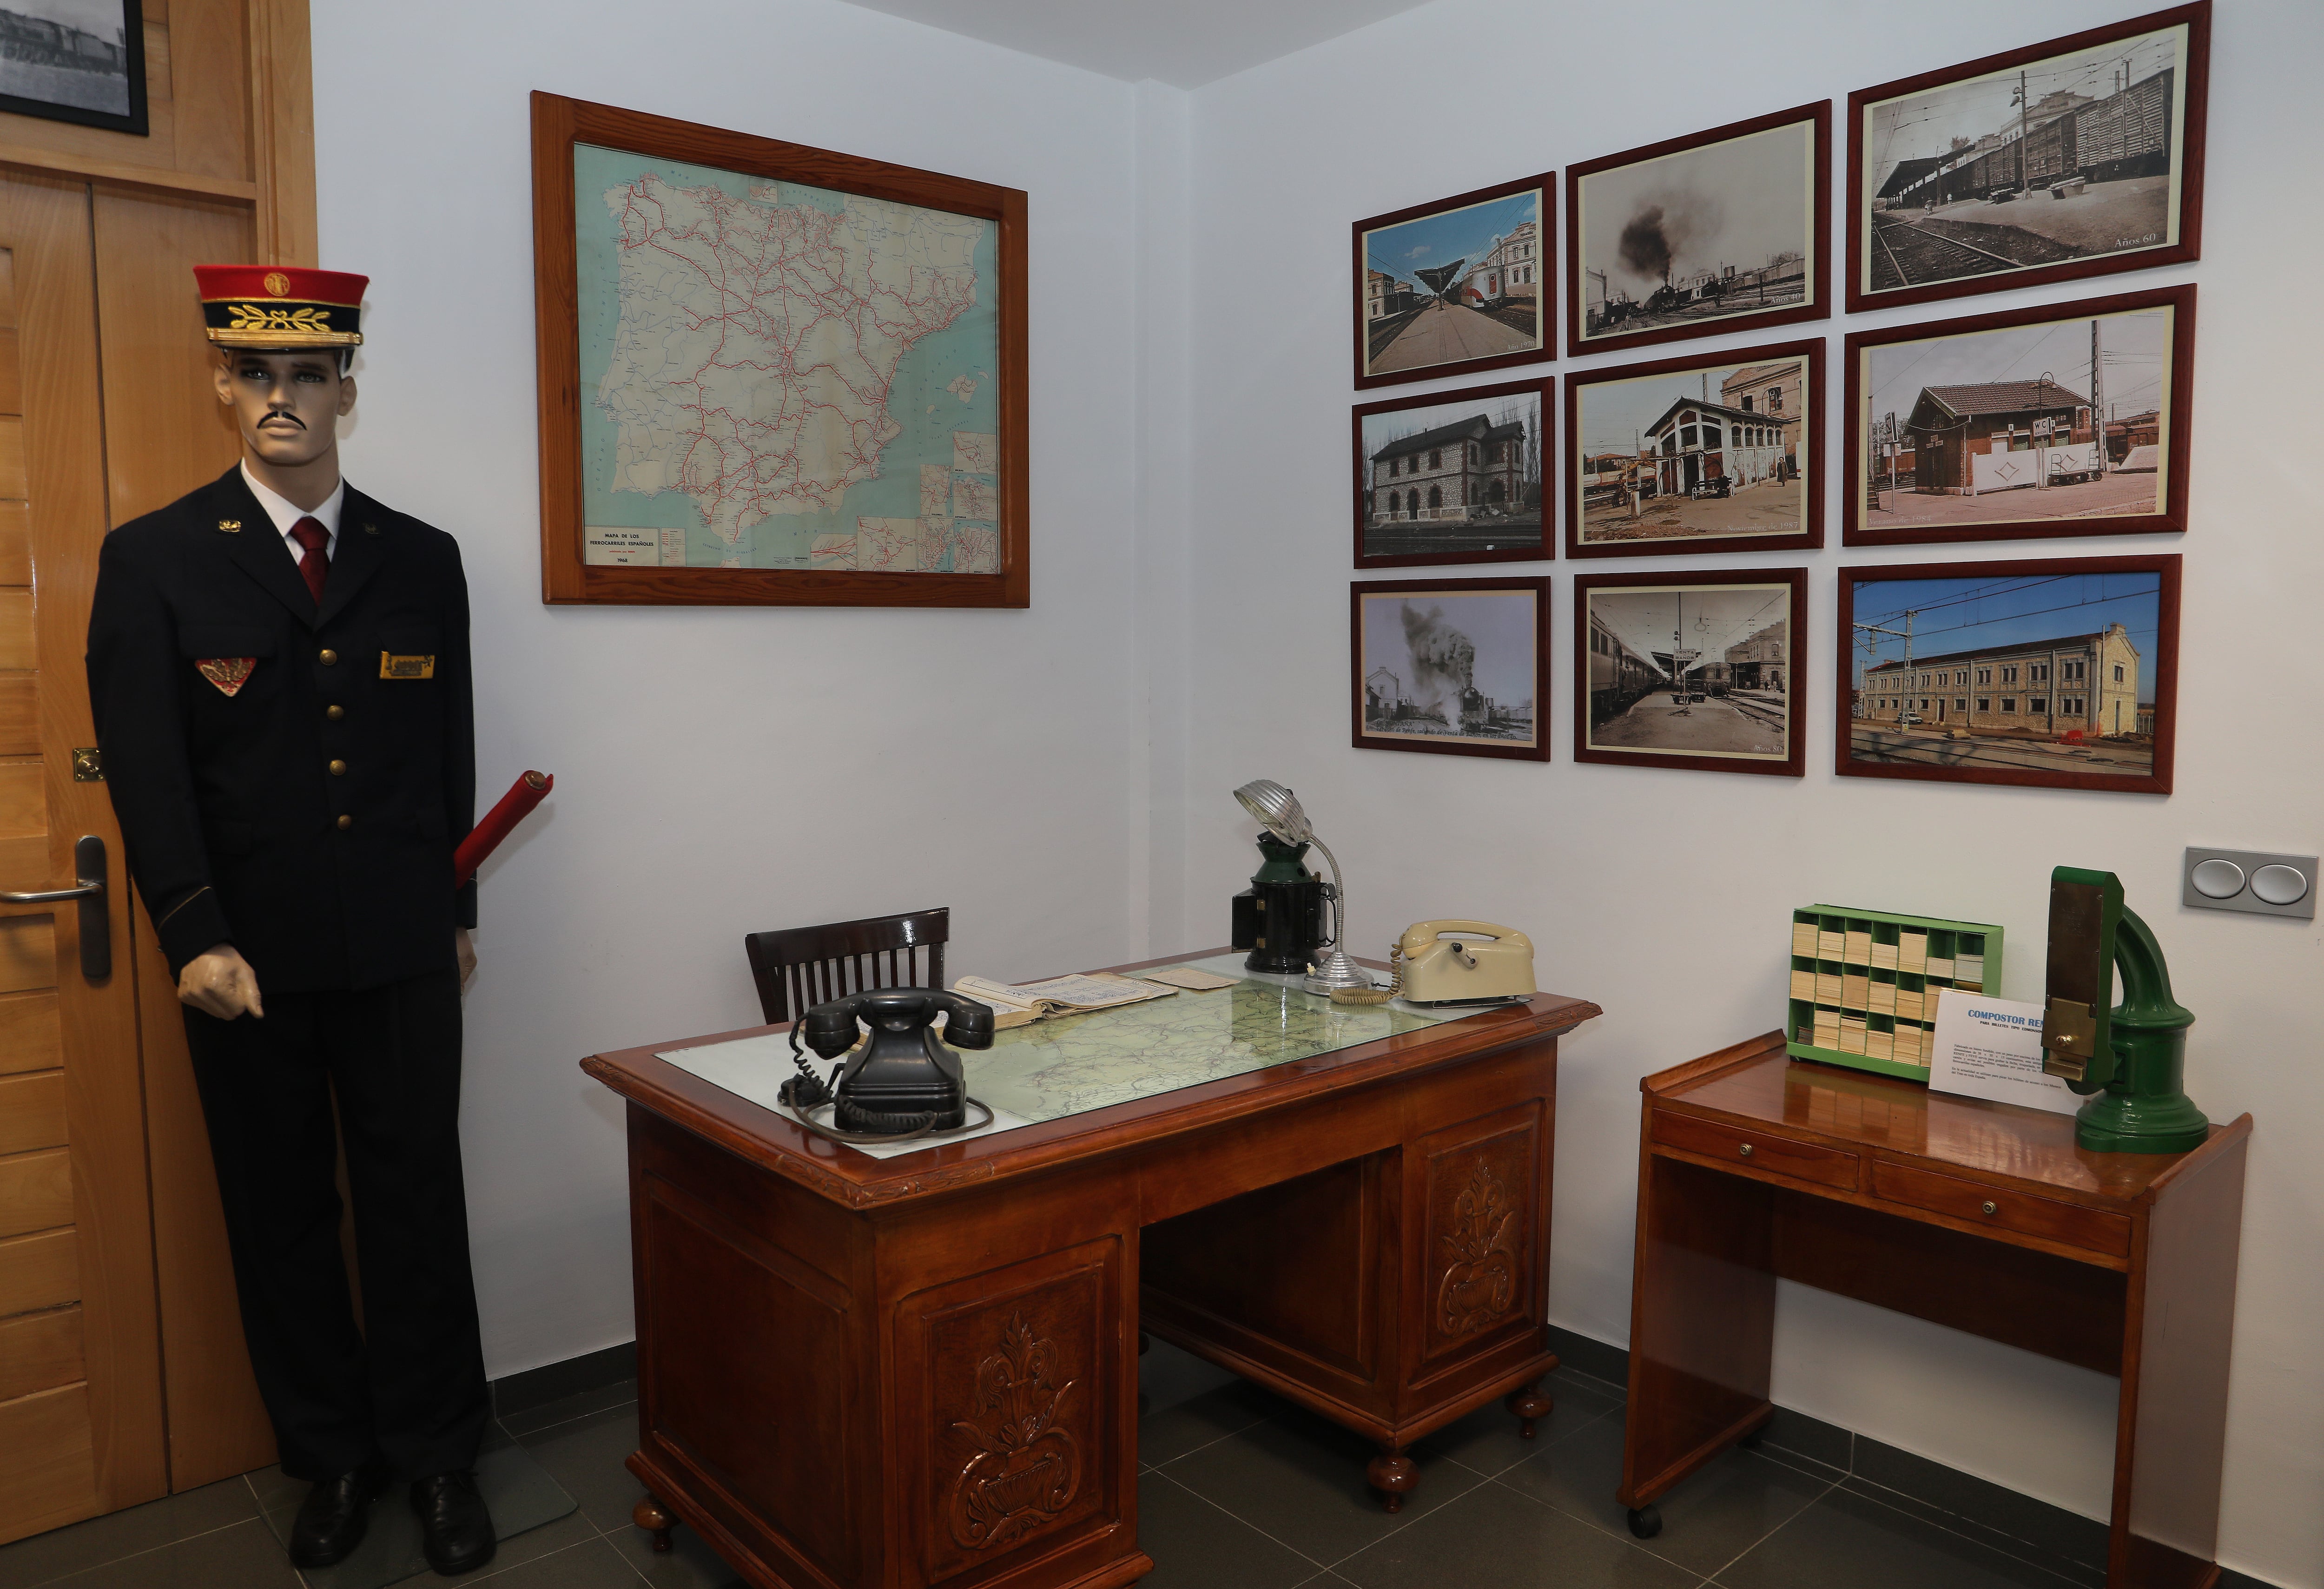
(2247, 896)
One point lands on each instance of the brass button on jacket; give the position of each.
(334, 712)
(328, 656)
(338, 768)
(346, 823)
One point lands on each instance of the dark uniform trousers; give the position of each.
(291, 778)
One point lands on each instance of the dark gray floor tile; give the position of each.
(1302, 1480)
(1567, 1374)
(1487, 1441)
(586, 1455)
(549, 1539)
(1497, 1537)
(78, 1546)
(1733, 1502)
(1167, 1376)
(591, 1565)
(1164, 1434)
(1847, 1540)
(1195, 1545)
(2013, 1515)
(1591, 1356)
(689, 1563)
(241, 1555)
(531, 1512)
(2081, 1572)
(565, 1408)
(1810, 1438)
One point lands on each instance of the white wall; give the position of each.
(1662, 895)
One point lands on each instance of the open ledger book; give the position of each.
(1022, 1004)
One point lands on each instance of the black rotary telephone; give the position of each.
(902, 1081)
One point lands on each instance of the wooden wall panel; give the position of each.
(40, 1352)
(19, 645)
(36, 1192)
(40, 1270)
(48, 1470)
(28, 952)
(19, 717)
(32, 1112)
(16, 543)
(12, 458)
(31, 1038)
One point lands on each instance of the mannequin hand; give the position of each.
(465, 953)
(219, 982)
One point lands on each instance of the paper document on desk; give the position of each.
(1193, 978)
(1022, 1004)
(1992, 1048)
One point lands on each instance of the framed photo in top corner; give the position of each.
(75, 60)
(2061, 420)
(1455, 287)
(1727, 230)
(1705, 453)
(2078, 157)
(1697, 670)
(1457, 667)
(1454, 476)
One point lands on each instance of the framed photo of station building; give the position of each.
(1456, 667)
(1691, 669)
(1454, 476)
(1697, 454)
(2041, 422)
(1455, 287)
(2078, 157)
(2056, 673)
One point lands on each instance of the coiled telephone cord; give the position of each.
(808, 1091)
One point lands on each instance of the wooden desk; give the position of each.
(1983, 1216)
(923, 1370)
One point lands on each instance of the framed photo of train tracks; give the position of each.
(1693, 670)
(2065, 419)
(1728, 230)
(2045, 673)
(2078, 157)
(1704, 453)
(1454, 477)
(1456, 287)
(75, 60)
(1457, 667)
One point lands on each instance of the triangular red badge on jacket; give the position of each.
(228, 673)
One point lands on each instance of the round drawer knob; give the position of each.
(1991, 1206)
(1744, 1150)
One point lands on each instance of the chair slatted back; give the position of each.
(799, 967)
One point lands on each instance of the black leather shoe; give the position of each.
(331, 1520)
(454, 1529)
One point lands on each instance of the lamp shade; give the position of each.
(1278, 810)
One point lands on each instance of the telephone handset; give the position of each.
(902, 1081)
(1434, 967)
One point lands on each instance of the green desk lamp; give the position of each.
(2130, 1057)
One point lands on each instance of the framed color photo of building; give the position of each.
(773, 375)
(2052, 421)
(1460, 667)
(2078, 157)
(1454, 476)
(1728, 230)
(2055, 673)
(1721, 453)
(1455, 287)
(1693, 670)
(75, 60)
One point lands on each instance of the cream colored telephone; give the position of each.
(1443, 962)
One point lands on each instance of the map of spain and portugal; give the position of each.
(782, 376)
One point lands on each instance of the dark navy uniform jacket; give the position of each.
(308, 817)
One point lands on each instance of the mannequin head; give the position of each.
(287, 404)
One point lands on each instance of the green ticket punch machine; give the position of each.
(2129, 1058)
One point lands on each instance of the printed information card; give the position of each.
(1992, 1048)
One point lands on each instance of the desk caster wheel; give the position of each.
(1645, 1521)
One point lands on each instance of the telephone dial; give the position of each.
(901, 1080)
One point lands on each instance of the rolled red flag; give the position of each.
(515, 805)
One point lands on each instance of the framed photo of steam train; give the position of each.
(1691, 669)
(75, 60)
(1456, 287)
(1728, 230)
(2060, 420)
(1704, 453)
(2047, 673)
(1459, 666)
(1454, 476)
(2078, 157)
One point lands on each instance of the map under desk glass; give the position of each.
(918, 1364)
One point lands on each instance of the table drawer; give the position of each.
(1780, 1155)
(2021, 1211)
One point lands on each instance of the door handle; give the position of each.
(95, 925)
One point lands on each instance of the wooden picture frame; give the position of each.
(1800, 441)
(1488, 473)
(92, 57)
(2098, 143)
(1392, 301)
(2027, 611)
(573, 565)
(1937, 489)
(1442, 687)
(1637, 221)
(1742, 715)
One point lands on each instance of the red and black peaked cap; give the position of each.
(280, 306)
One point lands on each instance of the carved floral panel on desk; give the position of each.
(1481, 1200)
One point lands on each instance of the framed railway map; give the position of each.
(1459, 666)
(1728, 230)
(1700, 454)
(1695, 669)
(2049, 673)
(2078, 157)
(1455, 287)
(75, 60)
(1454, 476)
(773, 375)
(2065, 419)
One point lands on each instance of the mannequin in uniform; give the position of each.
(279, 667)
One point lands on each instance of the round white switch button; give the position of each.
(2223, 879)
(2278, 886)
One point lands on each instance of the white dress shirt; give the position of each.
(286, 513)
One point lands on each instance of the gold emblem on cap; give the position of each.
(277, 284)
(231, 526)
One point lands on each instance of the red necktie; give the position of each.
(313, 562)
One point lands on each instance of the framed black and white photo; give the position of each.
(1459, 666)
(74, 61)
(1455, 287)
(1454, 476)
(1695, 669)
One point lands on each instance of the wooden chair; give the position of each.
(800, 967)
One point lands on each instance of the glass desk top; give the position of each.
(1073, 1064)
